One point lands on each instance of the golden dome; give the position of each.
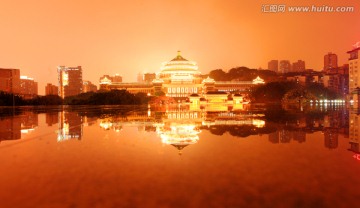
(180, 65)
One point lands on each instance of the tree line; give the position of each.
(113, 97)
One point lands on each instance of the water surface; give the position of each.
(179, 156)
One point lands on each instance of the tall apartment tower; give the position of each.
(273, 65)
(10, 80)
(354, 74)
(330, 61)
(285, 66)
(70, 81)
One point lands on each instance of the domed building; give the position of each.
(178, 79)
(181, 77)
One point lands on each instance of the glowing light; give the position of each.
(357, 156)
(258, 80)
(105, 125)
(65, 79)
(25, 77)
(25, 131)
(105, 80)
(258, 123)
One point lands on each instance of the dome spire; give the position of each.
(178, 53)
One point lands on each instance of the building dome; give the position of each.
(179, 65)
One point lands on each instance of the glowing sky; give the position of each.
(128, 37)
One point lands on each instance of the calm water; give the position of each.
(179, 156)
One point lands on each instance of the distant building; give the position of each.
(354, 74)
(337, 79)
(89, 87)
(107, 80)
(28, 87)
(330, 61)
(273, 65)
(149, 77)
(285, 66)
(70, 81)
(298, 66)
(10, 80)
(51, 89)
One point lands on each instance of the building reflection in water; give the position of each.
(51, 118)
(70, 126)
(181, 126)
(11, 128)
(354, 131)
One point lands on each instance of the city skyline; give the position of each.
(117, 37)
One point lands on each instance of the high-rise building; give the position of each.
(10, 80)
(28, 87)
(89, 87)
(51, 89)
(298, 66)
(285, 66)
(330, 61)
(70, 81)
(273, 65)
(354, 77)
(149, 77)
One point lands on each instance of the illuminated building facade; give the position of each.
(178, 78)
(181, 77)
(28, 87)
(108, 82)
(354, 74)
(51, 89)
(70, 81)
(10, 80)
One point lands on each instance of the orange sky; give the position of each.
(128, 37)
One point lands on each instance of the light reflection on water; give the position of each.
(248, 156)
